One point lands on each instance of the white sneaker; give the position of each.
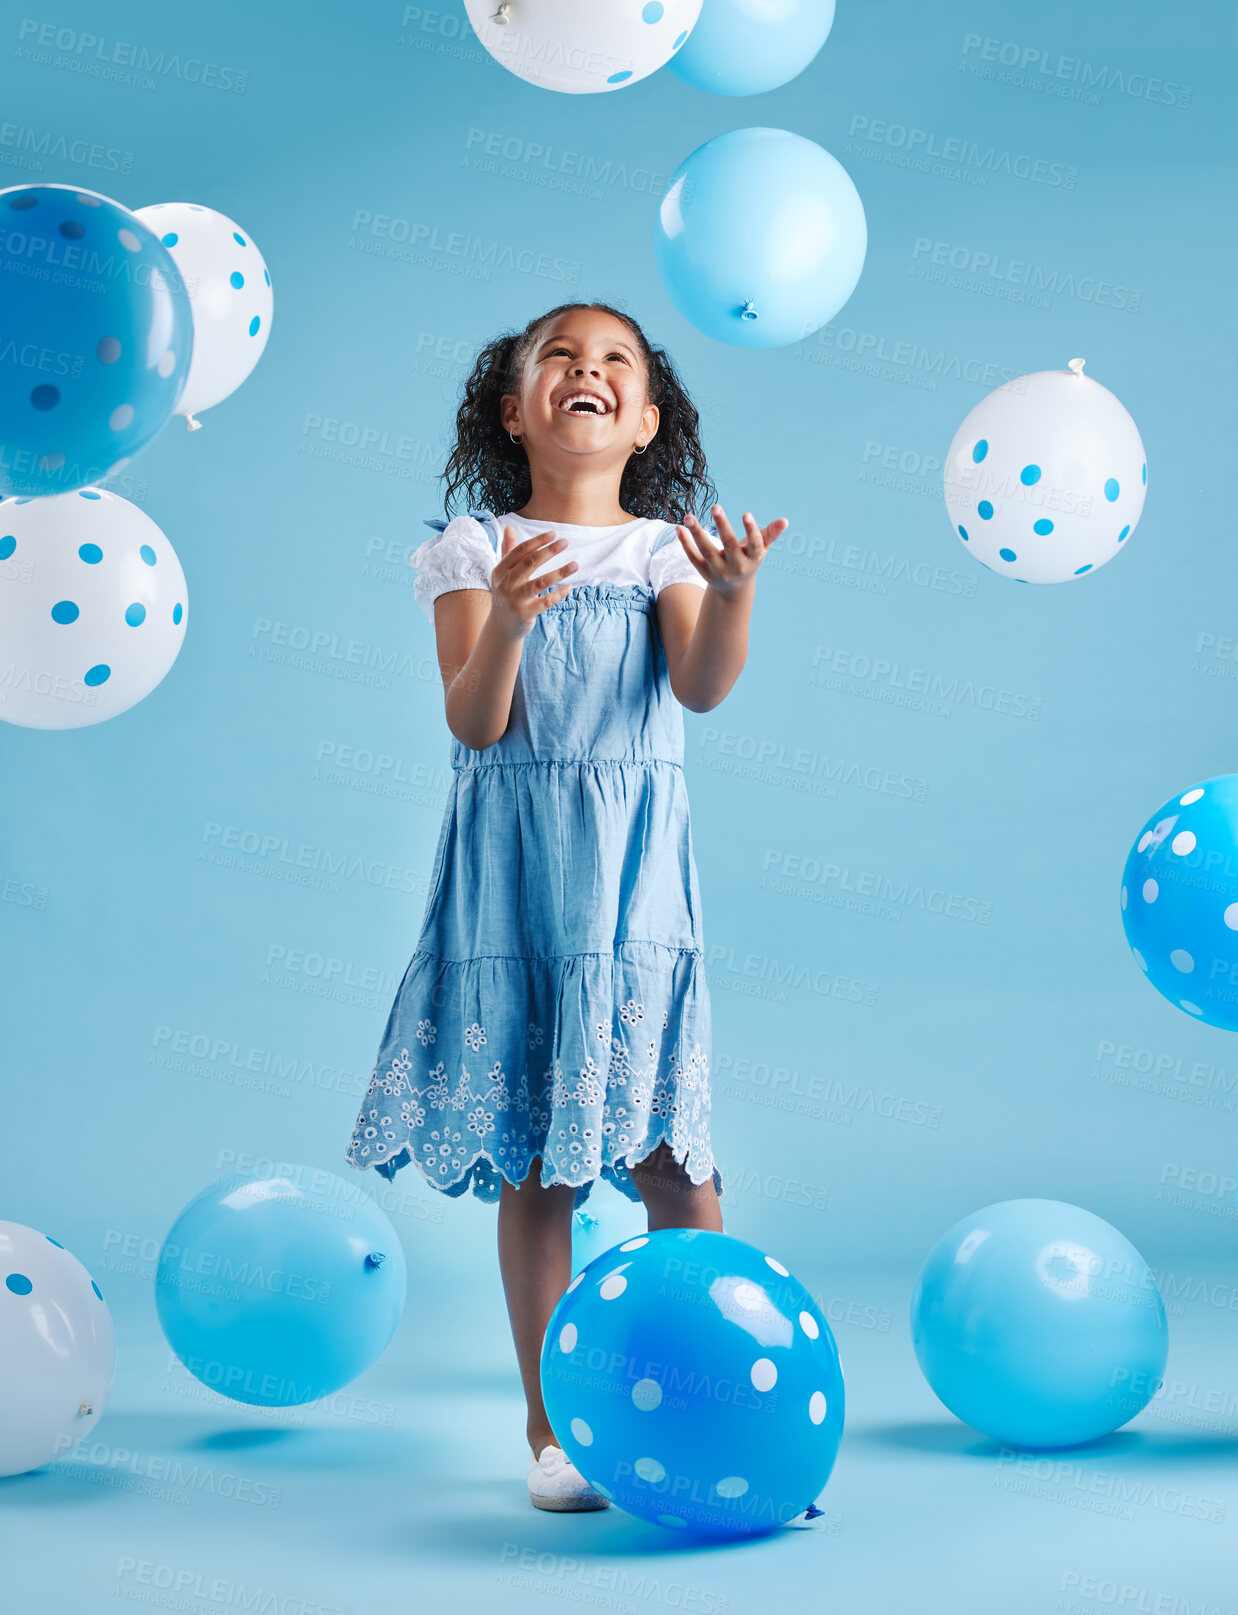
(556, 1483)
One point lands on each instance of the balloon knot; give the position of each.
(375, 1259)
(749, 311)
(191, 425)
(1077, 366)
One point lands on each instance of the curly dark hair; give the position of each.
(665, 483)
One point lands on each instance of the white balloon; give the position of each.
(1045, 479)
(230, 297)
(93, 608)
(582, 49)
(57, 1350)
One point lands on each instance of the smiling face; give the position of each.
(582, 394)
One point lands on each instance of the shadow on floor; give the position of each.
(1144, 1446)
(167, 1448)
(498, 1526)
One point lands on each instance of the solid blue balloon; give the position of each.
(96, 342)
(279, 1290)
(760, 238)
(1039, 1324)
(743, 47)
(1180, 901)
(694, 1382)
(605, 1221)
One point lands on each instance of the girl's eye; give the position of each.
(554, 351)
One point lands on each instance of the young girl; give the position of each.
(553, 1026)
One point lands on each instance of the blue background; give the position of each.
(923, 1064)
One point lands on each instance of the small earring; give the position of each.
(641, 450)
(514, 438)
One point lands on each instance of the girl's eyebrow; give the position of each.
(550, 340)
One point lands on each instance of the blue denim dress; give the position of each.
(556, 1004)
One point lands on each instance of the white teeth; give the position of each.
(600, 407)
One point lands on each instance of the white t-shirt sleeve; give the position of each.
(669, 563)
(462, 556)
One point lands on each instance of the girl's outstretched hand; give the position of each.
(515, 597)
(733, 567)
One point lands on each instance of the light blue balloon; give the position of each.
(694, 1382)
(99, 345)
(760, 238)
(743, 47)
(1039, 1324)
(605, 1220)
(279, 1290)
(1180, 901)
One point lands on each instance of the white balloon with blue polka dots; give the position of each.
(93, 608)
(578, 49)
(1045, 479)
(58, 1348)
(230, 296)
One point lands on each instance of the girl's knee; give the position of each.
(660, 1172)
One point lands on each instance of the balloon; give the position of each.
(57, 1350)
(744, 47)
(1037, 1323)
(279, 1290)
(604, 1221)
(92, 608)
(229, 290)
(581, 50)
(1045, 479)
(760, 237)
(1180, 901)
(97, 338)
(694, 1382)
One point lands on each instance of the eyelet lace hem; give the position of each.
(485, 1177)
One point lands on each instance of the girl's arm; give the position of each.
(480, 637)
(705, 636)
(706, 639)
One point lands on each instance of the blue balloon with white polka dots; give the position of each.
(1180, 901)
(99, 335)
(694, 1382)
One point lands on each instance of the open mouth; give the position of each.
(583, 403)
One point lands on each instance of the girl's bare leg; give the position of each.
(535, 1258)
(671, 1198)
(535, 1255)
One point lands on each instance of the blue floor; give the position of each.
(406, 1491)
